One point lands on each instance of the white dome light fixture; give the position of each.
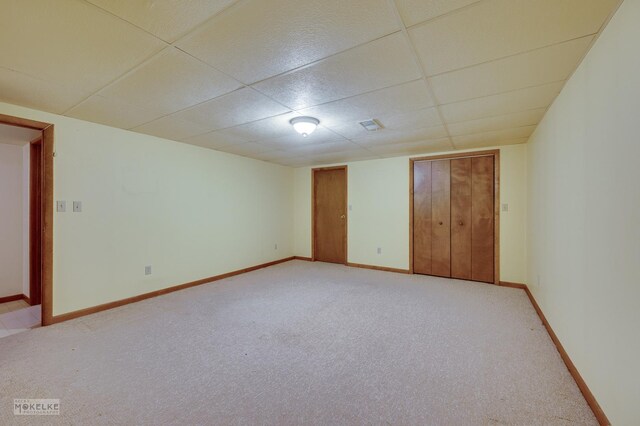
(304, 125)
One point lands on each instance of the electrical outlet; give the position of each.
(77, 206)
(275, 247)
(379, 250)
(505, 207)
(61, 206)
(147, 270)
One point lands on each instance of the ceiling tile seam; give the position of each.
(503, 93)
(202, 24)
(419, 64)
(359, 94)
(119, 77)
(488, 117)
(199, 104)
(444, 15)
(199, 26)
(120, 18)
(505, 129)
(150, 58)
(582, 58)
(242, 84)
(524, 52)
(324, 59)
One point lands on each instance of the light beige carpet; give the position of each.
(301, 343)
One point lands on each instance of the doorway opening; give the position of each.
(26, 284)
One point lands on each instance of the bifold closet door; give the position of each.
(482, 218)
(461, 218)
(422, 217)
(441, 218)
(453, 218)
(432, 218)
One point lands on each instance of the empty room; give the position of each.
(319, 212)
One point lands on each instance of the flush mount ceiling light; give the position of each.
(304, 125)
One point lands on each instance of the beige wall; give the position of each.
(379, 215)
(584, 217)
(11, 220)
(189, 212)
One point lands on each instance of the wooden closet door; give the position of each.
(330, 215)
(422, 217)
(461, 218)
(441, 218)
(482, 219)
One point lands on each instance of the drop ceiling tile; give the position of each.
(385, 62)
(386, 137)
(357, 154)
(419, 119)
(271, 127)
(71, 43)
(248, 149)
(167, 20)
(501, 122)
(498, 28)
(215, 139)
(499, 137)
(515, 72)
(170, 82)
(321, 148)
(416, 11)
(293, 139)
(482, 143)
(411, 148)
(112, 112)
(239, 107)
(257, 39)
(171, 127)
(501, 104)
(23, 89)
(403, 97)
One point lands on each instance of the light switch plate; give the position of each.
(147, 270)
(77, 206)
(505, 207)
(61, 206)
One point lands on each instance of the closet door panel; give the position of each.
(482, 219)
(441, 218)
(422, 217)
(461, 218)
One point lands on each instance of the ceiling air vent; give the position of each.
(371, 125)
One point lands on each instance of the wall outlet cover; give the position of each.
(147, 270)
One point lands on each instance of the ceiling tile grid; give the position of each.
(230, 74)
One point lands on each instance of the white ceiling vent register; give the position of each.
(371, 125)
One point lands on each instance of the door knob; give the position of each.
(342, 217)
(440, 223)
(461, 223)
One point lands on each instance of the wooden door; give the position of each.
(441, 218)
(35, 222)
(330, 215)
(482, 219)
(461, 218)
(422, 217)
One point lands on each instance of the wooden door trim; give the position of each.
(495, 153)
(47, 208)
(35, 228)
(313, 209)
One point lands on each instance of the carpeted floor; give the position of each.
(300, 343)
